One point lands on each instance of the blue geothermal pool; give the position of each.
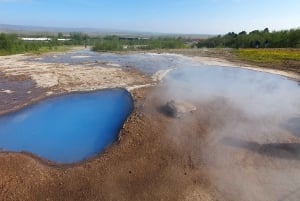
(68, 128)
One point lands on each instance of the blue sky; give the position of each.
(166, 16)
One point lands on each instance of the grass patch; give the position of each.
(4, 53)
(268, 56)
(43, 50)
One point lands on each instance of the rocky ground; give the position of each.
(144, 164)
(157, 156)
(26, 81)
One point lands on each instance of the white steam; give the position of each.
(251, 121)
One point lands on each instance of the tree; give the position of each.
(60, 35)
(264, 38)
(266, 30)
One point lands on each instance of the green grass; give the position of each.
(3, 53)
(268, 56)
(43, 50)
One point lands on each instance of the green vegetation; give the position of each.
(108, 43)
(45, 49)
(115, 43)
(13, 44)
(255, 39)
(10, 44)
(267, 56)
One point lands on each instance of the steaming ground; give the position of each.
(252, 144)
(241, 144)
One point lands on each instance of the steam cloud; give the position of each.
(252, 125)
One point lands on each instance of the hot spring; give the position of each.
(69, 128)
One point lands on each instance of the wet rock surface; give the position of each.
(16, 91)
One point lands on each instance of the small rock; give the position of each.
(177, 109)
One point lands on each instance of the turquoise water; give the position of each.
(68, 128)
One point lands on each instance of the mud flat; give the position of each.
(157, 157)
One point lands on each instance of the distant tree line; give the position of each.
(116, 43)
(13, 44)
(255, 39)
